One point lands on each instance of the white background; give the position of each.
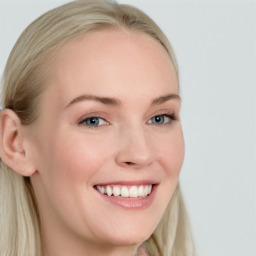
(215, 46)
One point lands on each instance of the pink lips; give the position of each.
(128, 183)
(137, 203)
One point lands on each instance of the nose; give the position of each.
(134, 149)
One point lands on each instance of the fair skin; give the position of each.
(134, 140)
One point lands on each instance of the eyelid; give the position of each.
(164, 112)
(83, 120)
(172, 114)
(168, 113)
(171, 119)
(90, 115)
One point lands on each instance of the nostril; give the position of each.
(129, 163)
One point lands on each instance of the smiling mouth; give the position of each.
(140, 191)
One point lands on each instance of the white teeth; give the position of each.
(109, 190)
(141, 191)
(116, 191)
(124, 191)
(133, 191)
(149, 189)
(101, 189)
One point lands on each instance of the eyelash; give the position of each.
(83, 122)
(171, 118)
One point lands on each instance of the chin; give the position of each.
(127, 240)
(129, 234)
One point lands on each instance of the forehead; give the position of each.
(112, 61)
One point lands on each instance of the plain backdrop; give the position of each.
(214, 41)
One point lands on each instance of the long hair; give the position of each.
(22, 83)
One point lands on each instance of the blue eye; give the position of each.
(161, 119)
(93, 121)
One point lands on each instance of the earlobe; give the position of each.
(12, 146)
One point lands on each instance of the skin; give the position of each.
(69, 157)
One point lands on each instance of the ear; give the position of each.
(12, 143)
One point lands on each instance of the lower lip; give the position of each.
(138, 203)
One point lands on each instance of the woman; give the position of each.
(91, 141)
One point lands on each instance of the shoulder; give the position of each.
(142, 251)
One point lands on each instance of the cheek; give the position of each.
(79, 157)
(171, 153)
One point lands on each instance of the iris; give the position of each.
(158, 119)
(92, 121)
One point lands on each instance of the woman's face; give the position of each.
(109, 124)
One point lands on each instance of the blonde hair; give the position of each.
(22, 86)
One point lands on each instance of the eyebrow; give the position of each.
(104, 100)
(116, 102)
(163, 99)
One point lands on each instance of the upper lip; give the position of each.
(128, 183)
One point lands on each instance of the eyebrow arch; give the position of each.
(103, 100)
(163, 99)
(116, 102)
